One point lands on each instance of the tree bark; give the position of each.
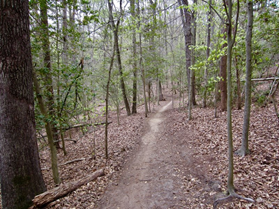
(245, 134)
(223, 81)
(238, 90)
(20, 172)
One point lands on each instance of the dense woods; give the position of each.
(90, 59)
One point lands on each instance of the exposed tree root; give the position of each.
(242, 153)
(229, 199)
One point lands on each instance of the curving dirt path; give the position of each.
(153, 177)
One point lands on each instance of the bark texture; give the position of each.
(20, 172)
(223, 81)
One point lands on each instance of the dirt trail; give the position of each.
(149, 179)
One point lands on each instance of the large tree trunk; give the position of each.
(115, 33)
(244, 145)
(20, 173)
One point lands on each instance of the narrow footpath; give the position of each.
(152, 178)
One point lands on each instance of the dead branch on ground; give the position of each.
(49, 196)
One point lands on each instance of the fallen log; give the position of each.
(72, 161)
(86, 124)
(49, 196)
(265, 79)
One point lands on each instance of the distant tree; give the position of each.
(209, 19)
(20, 173)
(135, 70)
(118, 54)
(186, 22)
(49, 87)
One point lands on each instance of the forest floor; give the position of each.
(165, 161)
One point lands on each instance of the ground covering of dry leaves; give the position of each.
(204, 177)
(123, 139)
(255, 176)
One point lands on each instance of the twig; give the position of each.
(68, 162)
(72, 161)
(73, 140)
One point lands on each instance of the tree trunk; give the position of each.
(229, 99)
(135, 70)
(193, 81)
(223, 82)
(65, 34)
(20, 172)
(107, 99)
(238, 90)
(140, 63)
(47, 71)
(245, 134)
(53, 151)
(207, 52)
(115, 33)
(231, 41)
(223, 75)
(161, 96)
(186, 21)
